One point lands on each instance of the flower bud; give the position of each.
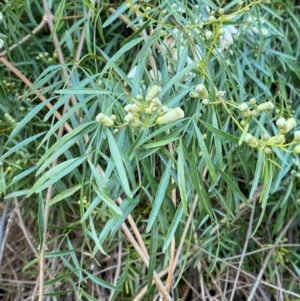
(105, 120)
(135, 123)
(278, 139)
(129, 117)
(208, 35)
(205, 102)
(139, 97)
(127, 108)
(170, 116)
(201, 89)
(297, 149)
(156, 102)
(252, 101)
(135, 108)
(153, 92)
(265, 106)
(193, 95)
(251, 140)
(212, 19)
(162, 111)
(282, 125)
(297, 135)
(267, 150)
(291, 123)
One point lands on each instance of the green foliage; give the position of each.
(169, 120)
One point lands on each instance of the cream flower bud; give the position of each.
(209, 35)
(291, 123)
(136, 123)
(254, 113)
(252, 101)
(129, 117)
(297, 149)
(243, 107)
(265, 106)
(282, 125)
(105, 120)
(162, 111)
(267, 150)
(278, 139)
(156, 102)
(251, 140)
(153, 92)
(139, 97)
(135, 108)
(193, 95)
(148, 111)
(170, 116)
(201, 89)
(205, 102)
(127, 108)
(297, 135)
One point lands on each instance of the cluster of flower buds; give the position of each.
(254, 110)
(145, 111)
(284, 126)
(44, 56)
(200, 92)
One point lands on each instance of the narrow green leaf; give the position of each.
(181, 177)
(205, 154)
(107, 200)
(220, 133)
(116, 155)
(160, 195)
(199, 186)
(27, 118)
(64, 194)
(245, 131)
(258, 172)
(21, 144)
(160, 143)
(101, 282)
(62, 141)
(16, 194)
(233, 186)
(175, 222)
(56, 173)
(74, 91)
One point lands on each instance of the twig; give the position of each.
(156, 278)
(23, 227)
(244, 249)
(267, 259)
(24, 39)
(172, 249)
(2, 226)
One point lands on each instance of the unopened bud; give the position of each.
(291, 123)
(153, 92)
(201, 89)
(297, 135)
(193, 95)
(282, 125)
(209, 35)
(266, 106)
(278, 139)
(105, 120)
(297, 149)
(170, 116)
(251, 140)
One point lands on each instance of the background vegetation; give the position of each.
(132, 207)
